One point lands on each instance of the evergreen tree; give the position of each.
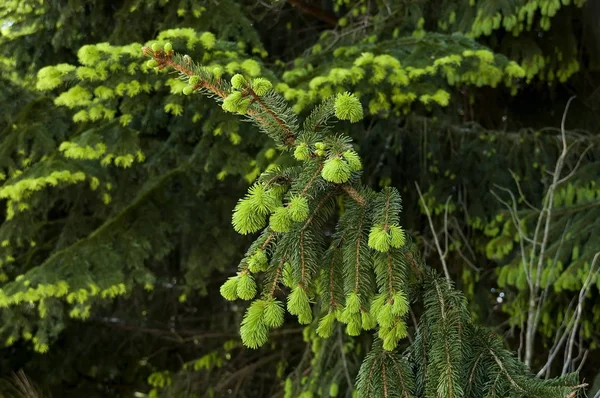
(361, 277)
(118, 191)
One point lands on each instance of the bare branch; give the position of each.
(435, 238)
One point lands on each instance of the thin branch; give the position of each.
(437, 242)
(325, 16)
(344, 363)
(446, 225)
(582, 293)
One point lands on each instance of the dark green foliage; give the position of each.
(118, 184)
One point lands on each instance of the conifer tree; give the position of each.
(365, 274)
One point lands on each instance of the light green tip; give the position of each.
(348, 107)
(238, 81)
(336, 170)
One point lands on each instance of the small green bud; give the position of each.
(274, 313)
(253, 331)
(353, 160)
(368, 321)
(232, 102)
(389, 342)
(299, 305)
(353, 327)
(378, 239)
(238, 81)
(348, 107)
(298, 208)
(336, 170)
(246, 287)
(258, 261)
(194, 80)
(168, 47)
(397, 238)
(244, 105)
(400, 330)
(156, 47)
(320, 152)
(280, 220)
(152, 63)
(320, 145)
(353, 303)
(302, 152)
(187, 90)
(325, 328)
(229, 289)
(246, 219)
(261, 86)
(288, 275)
(385, 317)
(334, 390)
(400, 305)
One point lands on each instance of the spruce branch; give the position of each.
(363, 266)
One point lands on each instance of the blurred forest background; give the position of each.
(117, 190)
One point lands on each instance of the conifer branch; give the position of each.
(390, 275)
(314, 177)
(353, 193)
(165, 59)
(290, 137)
(385, 384)
(268, 240)
(400, 376)
(503, 369)
(276, 277)
(472, 375)
(302, 232)
(332, 302)
(357, 259)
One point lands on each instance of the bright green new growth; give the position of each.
(254, 330)
(348, 107)
(353, 160)
(334, 390)
(326, 324)
(281, 220)
(229, 288)
(261, 86)
(302, 152)
(299, 305)
(298, 208)
(258, 262)
(379, 239)
(246, 287)
(238, 81)
(250, 213)
(274, 313)
(336, 170)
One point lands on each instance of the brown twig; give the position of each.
(325, 16)
(353, 193)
